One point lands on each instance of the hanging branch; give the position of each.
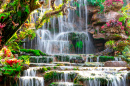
(17, 12)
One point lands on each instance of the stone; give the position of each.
(116, 7)
(25, 66)
(97, 36)
(101, 18)
(115, 64)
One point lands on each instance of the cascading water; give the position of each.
(29, 78)
(56, 36)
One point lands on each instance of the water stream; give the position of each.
(61, 36)
(54, 36)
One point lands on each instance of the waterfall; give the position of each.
(31, 81)
(29, 78)
(55, 36)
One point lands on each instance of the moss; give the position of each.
(35, 52)
(44, 69)
(48, 68)
(60, 65)
(52, 75)
(103, 81)
(54, 67)
(62, 58)
(106, 58)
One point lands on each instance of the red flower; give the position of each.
(2, 17)
(9, 62)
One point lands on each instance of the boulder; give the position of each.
(115, 64)
(101, 18)
(25, 66)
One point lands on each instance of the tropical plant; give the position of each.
(79, 44)
(11, 67)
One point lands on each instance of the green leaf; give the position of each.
(19, 13)
(121, 18)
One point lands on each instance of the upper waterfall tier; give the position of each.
(65, 34)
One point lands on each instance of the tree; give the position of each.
(14, 13)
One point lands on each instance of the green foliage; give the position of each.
(5, 15)
(79, 44)
(106, 58)
(52, 75)
(54, 67)
(60, 65)
(15, 52)
(126, 51)
(8, 70)
(48, 68)
(44, 69)
(35, 52)
(14, 44)
(110, 43)
(126, 54)
(97, 3)
(124, 12)
(25, 59)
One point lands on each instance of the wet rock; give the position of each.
(25, 66)
(101, 18)
(97, 36)
(115, 64)
(77, 61)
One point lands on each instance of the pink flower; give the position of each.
(2, 60)
(120, 23)
(102, 27)
(122, 27)
(2, 25)
(108, 24)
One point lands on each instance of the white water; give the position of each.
(112, 75)
(57, 42)
(53, 38)
(29, 78)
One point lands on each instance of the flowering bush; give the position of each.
(113, 23)
(13, 61)
(110, 2)
(11, 66)
(5, 52)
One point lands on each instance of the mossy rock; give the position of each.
(115, 7)
(106, 58)
(114, 37)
